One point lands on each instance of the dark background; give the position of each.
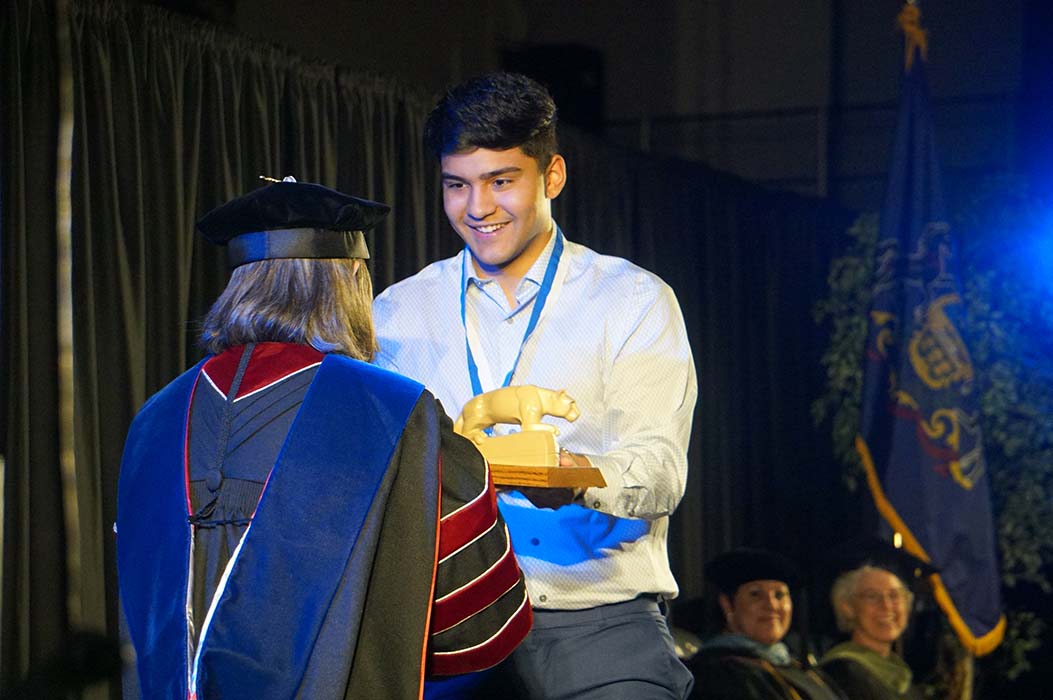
(795, 95)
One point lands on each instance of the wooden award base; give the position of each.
(548, 477)
(531, 458)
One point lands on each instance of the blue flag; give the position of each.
(920, 437)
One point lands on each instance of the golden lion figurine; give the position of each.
(524, 404)
(531, 456)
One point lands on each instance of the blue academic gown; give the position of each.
(321, 601)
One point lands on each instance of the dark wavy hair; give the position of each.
(496, 111)
(324, 303)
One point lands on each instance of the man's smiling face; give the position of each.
(500, 204)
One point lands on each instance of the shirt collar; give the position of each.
(534, 275)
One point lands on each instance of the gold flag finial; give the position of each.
(909, 18)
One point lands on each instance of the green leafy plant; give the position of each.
(845, 310)
(1005, 241)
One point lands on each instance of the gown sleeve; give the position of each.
(481, 610)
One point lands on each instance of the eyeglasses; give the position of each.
(897, 596)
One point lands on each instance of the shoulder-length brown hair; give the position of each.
(324, 303)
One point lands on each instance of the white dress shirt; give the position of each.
(612, 335)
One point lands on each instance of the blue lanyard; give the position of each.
(535, 314)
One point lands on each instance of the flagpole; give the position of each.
(960, 683)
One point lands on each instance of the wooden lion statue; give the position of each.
(524, 404)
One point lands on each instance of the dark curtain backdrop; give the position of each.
(747, 265)
(33, 612)
(174, 116)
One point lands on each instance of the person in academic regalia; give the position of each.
(872, 602)
(748, 660)
(293, 521)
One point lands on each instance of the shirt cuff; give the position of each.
(603, 499)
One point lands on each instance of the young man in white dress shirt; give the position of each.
(521, 304)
